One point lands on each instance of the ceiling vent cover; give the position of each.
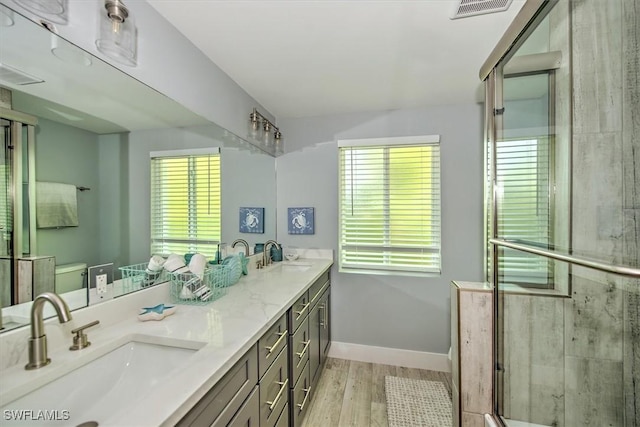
(465, 8)
(14, 76)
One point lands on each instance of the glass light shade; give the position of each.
(6, 17)
(68, 52)
(51, 10)
(118, 39)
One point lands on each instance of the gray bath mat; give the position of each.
(412, 403)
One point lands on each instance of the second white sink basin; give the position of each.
(100, 388)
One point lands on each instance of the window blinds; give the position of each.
(390, 206)
(185, 204)
(523, 172)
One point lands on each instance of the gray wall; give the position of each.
(390, 311)
(77, 150)
(113, 202)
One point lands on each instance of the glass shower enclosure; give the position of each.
(563, 214)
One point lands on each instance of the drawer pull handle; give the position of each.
(323, 317)
(275, 345)
(307, 392)
(299, 313)
(274, 402)
(326, 315)
(304, 349)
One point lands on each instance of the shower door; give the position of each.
(17, 188)
(563, 218)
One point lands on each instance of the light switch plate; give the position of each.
(100, 283)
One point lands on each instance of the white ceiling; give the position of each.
(317, 57)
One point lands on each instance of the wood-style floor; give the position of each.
(352, 393)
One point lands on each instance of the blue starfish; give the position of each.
(160, 308)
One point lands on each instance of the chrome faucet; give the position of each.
(266, 255)
(244, 242)
(38, 341)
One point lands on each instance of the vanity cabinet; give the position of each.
(319, 327)
(274, 390)
(219, 406)
(249, 413)
(271, 385)
(309, 341)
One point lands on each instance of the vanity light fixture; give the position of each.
(256, 119)
(118, 35)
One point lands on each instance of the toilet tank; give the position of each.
(70, 277)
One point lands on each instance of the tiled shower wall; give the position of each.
(576, 361)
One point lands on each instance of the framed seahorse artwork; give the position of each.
(252, 220)
(301, 220)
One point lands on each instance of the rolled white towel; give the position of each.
(198, 264)
(175, 264)
(156, 263)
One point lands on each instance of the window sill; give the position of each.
(376, 272)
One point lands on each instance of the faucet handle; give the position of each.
(80, 340)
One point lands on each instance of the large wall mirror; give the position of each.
(93, 127)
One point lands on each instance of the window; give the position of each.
(185, 202)
(523, 169)
(390, 205)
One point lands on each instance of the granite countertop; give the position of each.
(225, 329)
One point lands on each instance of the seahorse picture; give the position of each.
(252, 220)
(301, 220)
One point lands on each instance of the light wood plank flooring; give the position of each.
(352, 393)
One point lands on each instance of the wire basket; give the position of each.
(189, 288)
(137, 276)
(230, 271)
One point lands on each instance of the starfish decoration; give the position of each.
(157, 312)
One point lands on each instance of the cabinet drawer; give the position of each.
(300, 396)
(249, 413)
(274, 391)
(318, 287)
(299, 350)
(298, 312)
(270, 345)
(283, 421)
(223, 400)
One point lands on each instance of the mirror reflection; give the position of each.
(532, 158)
(75, 178)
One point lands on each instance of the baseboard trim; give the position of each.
(390, 356)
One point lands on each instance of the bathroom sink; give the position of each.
(101, 387)
(294, 266)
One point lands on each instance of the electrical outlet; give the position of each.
(101, 283)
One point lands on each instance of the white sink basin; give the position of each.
(292, 266)
(105, 385)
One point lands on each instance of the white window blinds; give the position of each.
(185, 203)
(524, 178)
(390, 204)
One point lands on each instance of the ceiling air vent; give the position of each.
(13, 76)
(465, 8)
